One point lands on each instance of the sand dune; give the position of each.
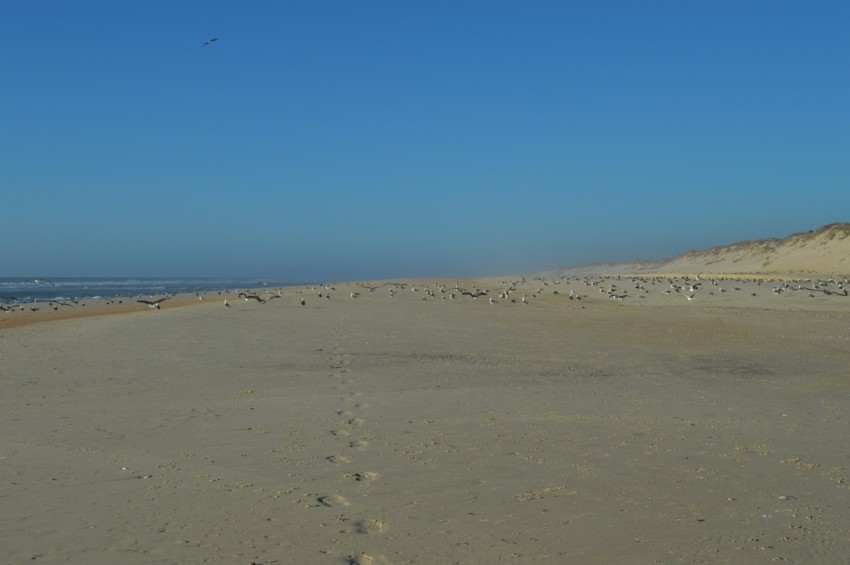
(824, 252)
(821, 252)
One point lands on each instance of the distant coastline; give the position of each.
(28, 290)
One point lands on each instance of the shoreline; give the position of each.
(89, 308)
(50, 311)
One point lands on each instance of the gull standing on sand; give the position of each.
(226, 305)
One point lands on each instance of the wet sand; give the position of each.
(399, 430)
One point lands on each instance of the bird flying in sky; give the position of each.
(209, 42)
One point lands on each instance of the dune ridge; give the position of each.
(822, 252)
(819, 252)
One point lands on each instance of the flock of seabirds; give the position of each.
(521, 291)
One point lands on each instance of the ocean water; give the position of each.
(14, 290)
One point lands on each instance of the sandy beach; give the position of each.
(425, 283)
(416, 428)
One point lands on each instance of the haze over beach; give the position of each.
(386, 283)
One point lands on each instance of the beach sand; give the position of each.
(399, 430)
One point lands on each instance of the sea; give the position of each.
(24, 290)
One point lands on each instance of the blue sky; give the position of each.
(344, 140)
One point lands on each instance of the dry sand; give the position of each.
(398, 430)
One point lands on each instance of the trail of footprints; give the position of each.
(351, 442)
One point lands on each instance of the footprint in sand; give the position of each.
(333, 500)
(371, 526)
(362, 477)
(359, 444)
(355, 422)
(340, 433)
(338, 459)
(363, 559)
(339, 362)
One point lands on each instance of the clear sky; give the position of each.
(367, 139)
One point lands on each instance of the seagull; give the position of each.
(303, 302)
(226, 305)
(475, 294)
(209, 42)
(153, 303)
